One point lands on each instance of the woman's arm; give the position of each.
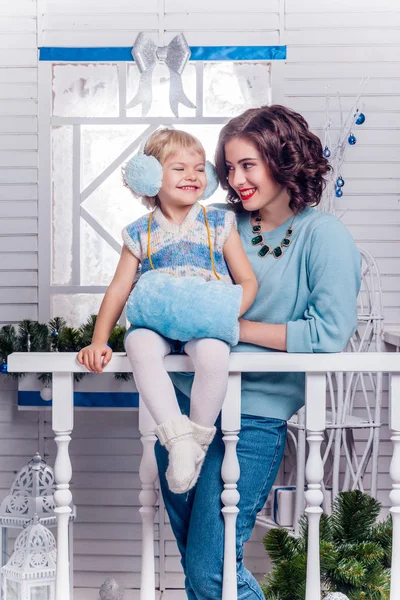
(333, 275)
(240, 269)
(263, 334)
(110, 311)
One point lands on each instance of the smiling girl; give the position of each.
(179, 238)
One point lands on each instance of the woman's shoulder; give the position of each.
(318, 223)
(325, 234)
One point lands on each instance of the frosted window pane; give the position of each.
(85, 90)
(40, 593)
(113, 205)
(75, 308)
(102, 144)
(13, 590)
(230, 88)
(160, 103)
(98, 259)
(208, 135)
(62, 205)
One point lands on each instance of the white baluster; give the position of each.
(339, 431)
(63, 422)
(315, 424)
(394, 424)
(300, 472)
(230, 474)
(148, 497)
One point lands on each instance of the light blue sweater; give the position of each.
(312, 288)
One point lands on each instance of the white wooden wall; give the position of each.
(328, 42)
(339, 43)
(18, 161)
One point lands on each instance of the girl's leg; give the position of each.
(146, 351)
(210, 359)
(200, 528)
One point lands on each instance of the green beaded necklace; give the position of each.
(265, 249)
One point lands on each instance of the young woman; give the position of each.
(308, 272)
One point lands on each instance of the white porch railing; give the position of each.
(63, 365)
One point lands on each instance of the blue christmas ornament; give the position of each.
(54, 333)
(352, 140)
(326, 152)
(3, 368)
(360, 119)
(338, 193)
(339, 182)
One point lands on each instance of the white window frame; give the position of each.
(45, 123)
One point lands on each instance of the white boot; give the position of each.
(203, 435)
(185, 454)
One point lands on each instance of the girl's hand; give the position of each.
(91, 356)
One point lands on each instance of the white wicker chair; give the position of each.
(348, 396)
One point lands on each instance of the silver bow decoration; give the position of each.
(147, 54)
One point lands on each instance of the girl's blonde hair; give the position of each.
(161, 144)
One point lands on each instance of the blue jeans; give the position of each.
(196, 517)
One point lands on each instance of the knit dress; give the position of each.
(182, 250)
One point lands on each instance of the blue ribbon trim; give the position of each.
(116, 54)
(86, 399)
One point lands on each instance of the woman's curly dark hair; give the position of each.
(292, 153)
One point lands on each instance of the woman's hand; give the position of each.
(91, 356)
(243, 330)
(268, 335)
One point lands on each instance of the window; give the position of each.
(93, 134)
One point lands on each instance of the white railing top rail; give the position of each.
(65, 362)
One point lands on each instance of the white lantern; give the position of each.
(31, 571)
(30, 495)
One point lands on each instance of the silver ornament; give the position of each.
(147, 55)
(336, 596)
(111, 590)
(46, 393)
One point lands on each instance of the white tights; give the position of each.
(146, 351)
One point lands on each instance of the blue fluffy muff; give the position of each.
(186, 308)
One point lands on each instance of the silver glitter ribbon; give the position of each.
(147, 55)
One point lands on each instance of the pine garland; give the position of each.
(355, 553)
(55, 336)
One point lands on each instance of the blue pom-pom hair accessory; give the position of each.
(143, 175)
